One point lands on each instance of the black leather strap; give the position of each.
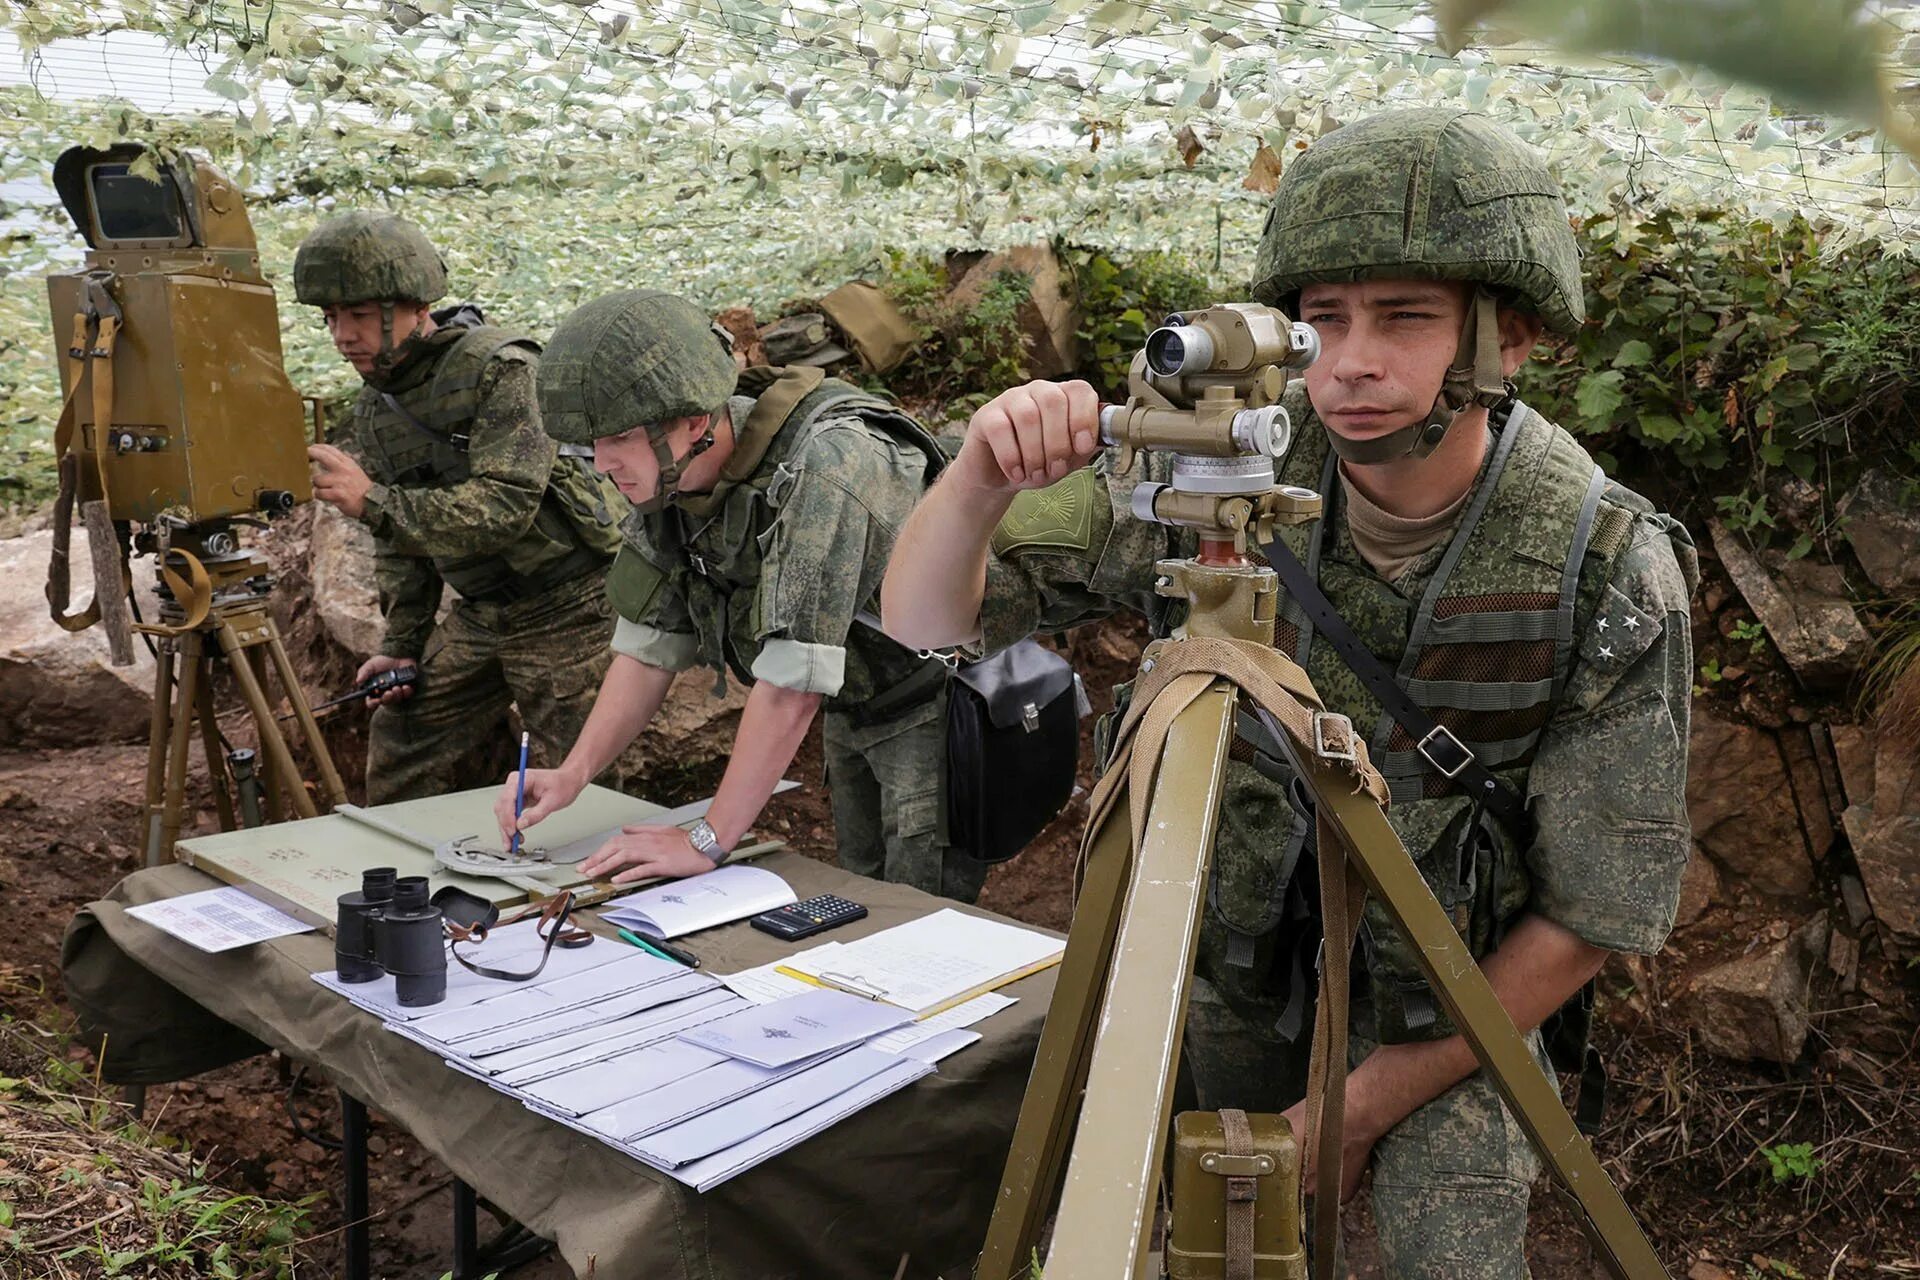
(553, 928)
(1444, 753)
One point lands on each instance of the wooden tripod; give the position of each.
(236, 628)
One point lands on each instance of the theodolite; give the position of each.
(1092, 1132)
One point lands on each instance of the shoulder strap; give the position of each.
(1446, 753)
(458, 440)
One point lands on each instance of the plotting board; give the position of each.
(307, 865)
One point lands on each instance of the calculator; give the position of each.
(804, 919)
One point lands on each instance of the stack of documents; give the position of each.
(700, 1080)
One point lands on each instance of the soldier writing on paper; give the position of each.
(764, 505)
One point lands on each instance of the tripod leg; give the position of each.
(216, 759)
(159, 729)
(1052, 1102)
(1113, 1176)
(191, 660)
(246, 666)
(270, 776)
(329, 776)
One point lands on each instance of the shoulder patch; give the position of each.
(1060, 515)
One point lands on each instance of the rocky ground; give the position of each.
(1766, 1106)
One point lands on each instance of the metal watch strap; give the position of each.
(707, 843)
(1449, 757)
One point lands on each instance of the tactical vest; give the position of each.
(712, 546)
(423, 442)
(1486, 650)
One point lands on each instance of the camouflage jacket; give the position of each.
(767, 575)
(468, 491)
(1597, 741)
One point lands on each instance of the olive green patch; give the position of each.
(632, 583)
(1060, 515)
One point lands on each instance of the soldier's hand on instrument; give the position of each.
(644, 852)
(1031, 436)
(548, 792)
(374, 666)
(338, 479)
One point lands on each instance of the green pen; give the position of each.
(661, 950)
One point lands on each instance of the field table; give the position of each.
(914, 1174)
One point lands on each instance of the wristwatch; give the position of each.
(703, 838)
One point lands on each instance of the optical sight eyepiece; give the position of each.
(1176, 348)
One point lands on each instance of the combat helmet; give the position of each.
(367, 257)
(1431, 194)
(637, 358)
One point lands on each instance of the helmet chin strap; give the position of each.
(391, 355)
(1474, 379)
(667, 489)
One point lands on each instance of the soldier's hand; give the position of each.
(1031, 436)
(643, 852)
(338, 479)
(548, 792)
(374, 666)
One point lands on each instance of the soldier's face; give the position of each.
(1384, 350)
(356, 334)
(629, 461)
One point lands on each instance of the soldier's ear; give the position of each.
(1520, 332)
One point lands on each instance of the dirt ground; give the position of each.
(1684, 1132)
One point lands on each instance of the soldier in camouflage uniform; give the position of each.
(764, 507)
(1535, 609)
(450, 471)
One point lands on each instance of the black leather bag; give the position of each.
(1013, 746)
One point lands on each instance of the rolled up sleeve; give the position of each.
(643, 642)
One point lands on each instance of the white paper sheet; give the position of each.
(531, 1062)
(546, 1027)
(709, 1172)
(639, 1071)
(670, 1104)
(701, 902)
(925, 963)
(765, 983)
(626, 970)
(218, 919)
(800, 1026)
(735, 1122)
(961, 1015)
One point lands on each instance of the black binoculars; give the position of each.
(388, 926)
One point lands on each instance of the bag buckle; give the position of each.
(1233, 1167)
(1444, 751)
(698, 564)
(1335, 748)
(1030, 717)
(948, 659)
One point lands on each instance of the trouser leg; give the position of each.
(890, 804)
(417, 747)
(555, 655)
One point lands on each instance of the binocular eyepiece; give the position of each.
(388, 926)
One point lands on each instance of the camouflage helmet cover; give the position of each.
(1430, 193)
(367, 257)
(629, 359)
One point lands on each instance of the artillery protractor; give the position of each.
(472, 856)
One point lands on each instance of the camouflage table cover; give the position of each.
(916, 1173)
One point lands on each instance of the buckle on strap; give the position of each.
(1444, 751)
(1339, 747)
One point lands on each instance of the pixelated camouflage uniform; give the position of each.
(768, 576)
(468, 493)
(1582, 710)
(523, 536)
(772, 573)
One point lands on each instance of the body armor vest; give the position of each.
(414, 433)
(712, 546)
(1485, 647)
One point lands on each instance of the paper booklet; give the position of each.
(701, 902)
(802, 1026)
